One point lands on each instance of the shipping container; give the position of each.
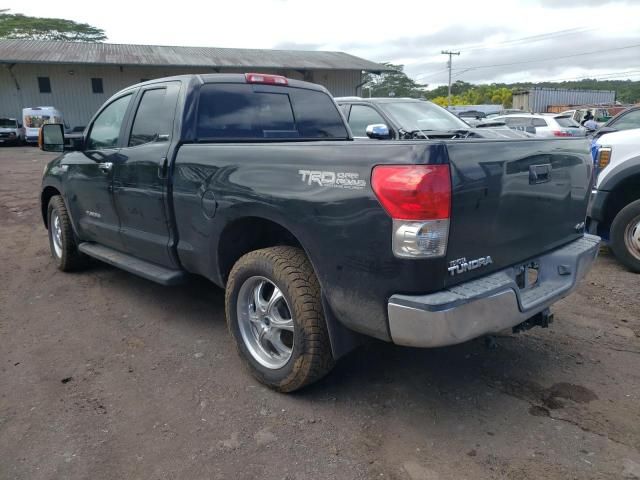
(538, 100)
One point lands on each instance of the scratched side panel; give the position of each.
(345, 231)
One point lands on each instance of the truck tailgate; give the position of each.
(515, 200)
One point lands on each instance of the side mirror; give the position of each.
(378, 131)
(51, 137)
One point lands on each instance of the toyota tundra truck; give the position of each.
(254, 181)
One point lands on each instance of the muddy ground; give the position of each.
(107, 376)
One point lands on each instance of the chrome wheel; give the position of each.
(632, 237)
(56, 233)
(265, 321)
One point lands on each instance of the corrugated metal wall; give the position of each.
(71, 85)
(538, 99)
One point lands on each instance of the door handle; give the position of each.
(105, 166)
(539, 173)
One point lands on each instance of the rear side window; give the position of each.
(240, 111)
(518, 121)
(154, 118)
(540, 122)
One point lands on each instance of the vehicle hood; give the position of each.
(625, 137)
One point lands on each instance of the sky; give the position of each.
(499, 41)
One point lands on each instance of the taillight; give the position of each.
(560, 133)
(266, 78)
(418, 198)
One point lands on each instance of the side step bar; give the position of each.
(142, 268)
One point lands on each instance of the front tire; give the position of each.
(61, 239)
(274, 313)
(625, 236)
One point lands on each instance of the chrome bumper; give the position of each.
(489, 304)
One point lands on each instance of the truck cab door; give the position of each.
(89, 176)
(141, 176)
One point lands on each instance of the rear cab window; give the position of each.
(245, 112)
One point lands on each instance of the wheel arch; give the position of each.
(45, 197)
(623, 192)
(245, 234)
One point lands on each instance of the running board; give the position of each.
(142, 268)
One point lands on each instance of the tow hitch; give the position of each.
(542, 319)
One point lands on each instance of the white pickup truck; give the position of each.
(614, 209)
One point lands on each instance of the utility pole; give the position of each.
(449, 65)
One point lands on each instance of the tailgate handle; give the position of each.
(539, 173)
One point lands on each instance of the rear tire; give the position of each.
(625, 236)
(274, 313)
(64, 249)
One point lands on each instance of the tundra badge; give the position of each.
(461, 265)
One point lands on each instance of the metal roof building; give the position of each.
(538, 100)
(77, 77)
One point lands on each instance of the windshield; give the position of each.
(412, 116)
(8, 123)
(567, 122)
(35, 121)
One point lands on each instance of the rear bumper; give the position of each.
(489, 304)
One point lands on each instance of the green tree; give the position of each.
(395, 83)
(18, 26)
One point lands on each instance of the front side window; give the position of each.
(154, 118)
(106, 127)
(360, 117)
(237, 111)
(628, 121)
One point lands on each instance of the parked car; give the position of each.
(625, 120)
(11, 131)
(614, 209)
(543, 125)
(255, 182)
(408, 119)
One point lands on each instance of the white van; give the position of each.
(34, 117)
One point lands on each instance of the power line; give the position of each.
(427, 75)
(603, 76)
(530, 39)
(549, 59)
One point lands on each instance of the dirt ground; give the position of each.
(104, 375)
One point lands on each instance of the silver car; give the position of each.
(543, 125)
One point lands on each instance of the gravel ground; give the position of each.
(104, 375)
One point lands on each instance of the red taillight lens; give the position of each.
(413, 192)
(265, 78)
(560, 133)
